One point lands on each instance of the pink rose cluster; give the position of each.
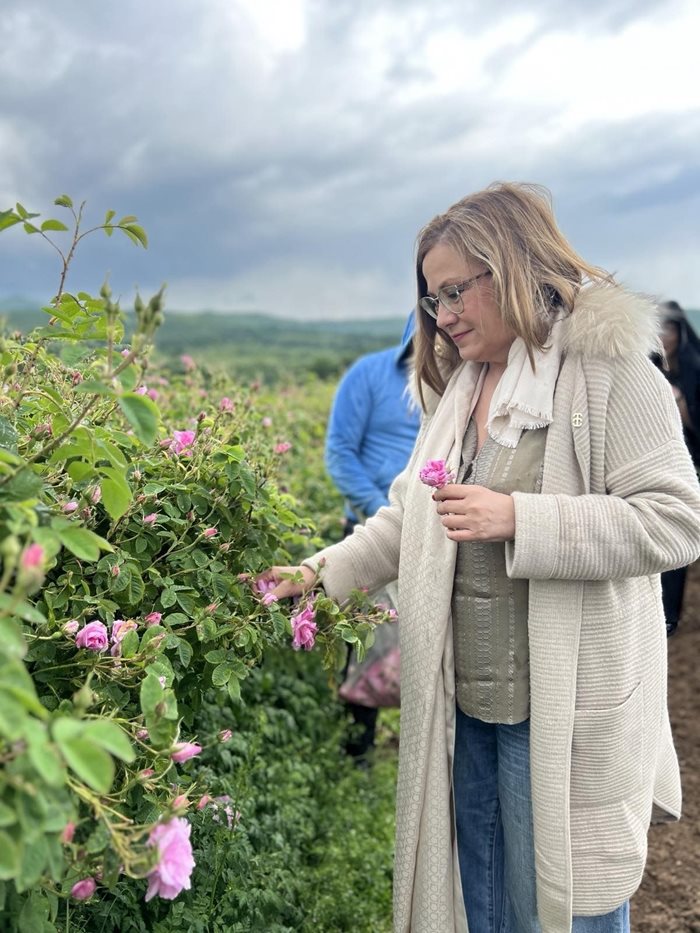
(172, 872)
(436, 473)
(304, 628)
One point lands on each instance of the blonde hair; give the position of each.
(511, 229)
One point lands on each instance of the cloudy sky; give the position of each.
(282, 154)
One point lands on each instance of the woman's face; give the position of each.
(478, 331)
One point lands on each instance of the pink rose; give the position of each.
(141, 390)
(203, 801)
(152, 394)
(32, 557)
(95, 494)
(175, 860)
(283, 447)
(436, 473)
(150, 519)
(225, 404)
(182, 442)
(181, 802)
(210, 532)
(68, 833)
(119, 630)
(70, 506)
(188, 362)
(92, 636)
(153, 618)
(70, 628)
(268, 599)
(84, 889)
(304, 628)
(125, 352)
(264, 586)
(183, 751)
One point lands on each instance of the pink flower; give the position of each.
(225, 735)
(212, 607)
(150, 519)
(153, 618)
(125, 352)
(141, 390)
(268, 599)
(76, 378)
(264, 586)
(153, 394)
(95, 494)
(304, 628)
(182, 442)
(92, 636)
(203, 801)
(210, 532)
(115, 570)
(184, 751)
(436, 473)
(146, 774)
(225, 404)
(70, 628)
(82, 890)
(266, 422)
(142, 734)
(70, 506)
(181, 802)
(175, 860)
(119, 630)
(283, 447)
(392, 614)
(188, 362)
(32, 557)
(68, 833)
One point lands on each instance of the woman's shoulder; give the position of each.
(610, 322)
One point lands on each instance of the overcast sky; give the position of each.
(282, 154)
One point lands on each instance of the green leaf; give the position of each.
(234, 688)
(64, 201)
(33, 858)
(109, 215)
(8, 435)
(90, 762)
(53, 225)
(95, 387)
(9, 857)
(151, 694)
(24, 486)
(130, 644)
(21, 609)
(83, 543)
(127, 219)
(110, 736)
(221, 674)
(136, 234)
(22, 211)
(142, 415)
(8, 219)
(43, 755)
(116, 497)
(8, 817)
(30, 228)
(168, 598)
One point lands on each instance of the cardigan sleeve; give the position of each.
(649, 520)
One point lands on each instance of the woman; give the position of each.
(680, 364)
(535, 738)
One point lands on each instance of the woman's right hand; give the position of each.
(286, 588)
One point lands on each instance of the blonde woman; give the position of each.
(535, 740)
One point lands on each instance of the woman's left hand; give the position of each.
(474, 513)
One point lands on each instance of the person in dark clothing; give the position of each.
(682, 369)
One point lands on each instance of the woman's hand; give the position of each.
(285, 588)
(474, 513)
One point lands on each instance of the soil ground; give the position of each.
(669, 898)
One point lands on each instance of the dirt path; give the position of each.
(669, 899)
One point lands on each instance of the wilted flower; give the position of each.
(183, 751)
(70, 628)
(175, 862)
(70, 506)
(304, 628)
(92, 636)
(210, 532)
(84, 889)
(153, 618)
(150, 519)
(282, 447)
(225, 404)
(225, 735)
(436, 473)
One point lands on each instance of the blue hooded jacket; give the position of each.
(372, 427)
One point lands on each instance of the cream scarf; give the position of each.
(523, 399)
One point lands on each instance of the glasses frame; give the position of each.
(430, 304)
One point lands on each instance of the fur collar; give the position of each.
(607, 321)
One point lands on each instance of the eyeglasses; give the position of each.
(450, 296)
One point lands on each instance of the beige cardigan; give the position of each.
(619, 503)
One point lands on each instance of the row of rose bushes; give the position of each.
(136, 509)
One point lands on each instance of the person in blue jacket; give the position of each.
(371, 432)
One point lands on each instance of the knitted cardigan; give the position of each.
(619, 504)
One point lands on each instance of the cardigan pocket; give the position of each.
(607, 752)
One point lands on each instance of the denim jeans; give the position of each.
(495, 841)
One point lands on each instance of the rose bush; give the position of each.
(129, 530)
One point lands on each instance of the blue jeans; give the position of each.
(493, 810)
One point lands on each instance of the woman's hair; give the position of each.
(511, 229)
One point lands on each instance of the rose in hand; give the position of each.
(474, 513)
(436, 473)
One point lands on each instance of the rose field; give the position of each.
(170, 734)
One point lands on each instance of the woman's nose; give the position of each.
(445, 317)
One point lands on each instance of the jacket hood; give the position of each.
(608, 320)
(407, 338)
